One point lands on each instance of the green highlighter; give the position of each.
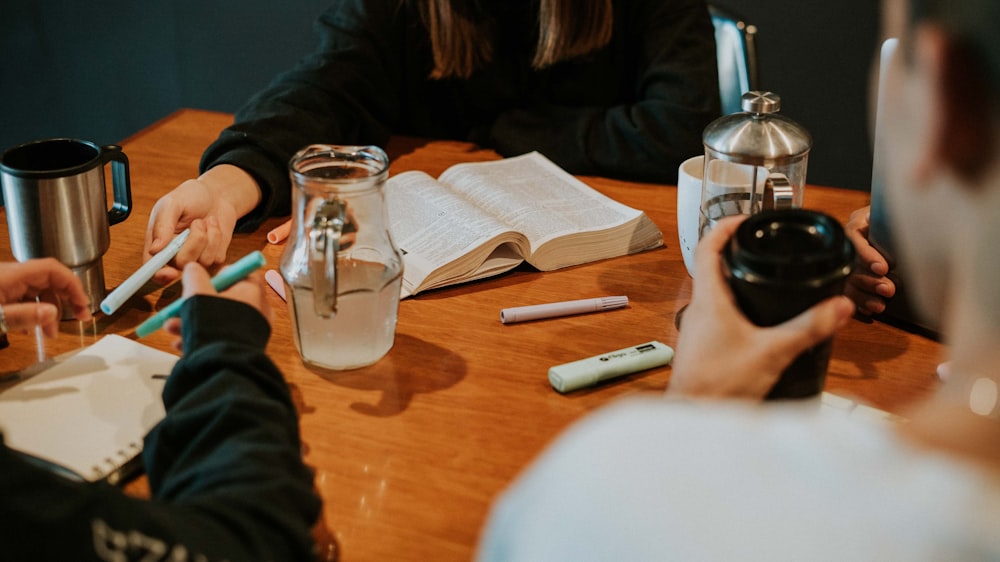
(592, 370)
(224, 280)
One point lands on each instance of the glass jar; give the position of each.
(341, 269)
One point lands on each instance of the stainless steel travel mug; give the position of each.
(57, 204)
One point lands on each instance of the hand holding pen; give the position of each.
(196, 281)
(209, 206)
(226, 278)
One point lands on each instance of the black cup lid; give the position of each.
(796, 245)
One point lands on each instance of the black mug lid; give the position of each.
(790, 246)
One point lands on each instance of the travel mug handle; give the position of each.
(120, 181)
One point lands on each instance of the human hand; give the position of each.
(210, 207)
(197, 281)
(868, 286)
(52, 282)
(720, 353)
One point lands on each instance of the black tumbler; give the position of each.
(780, 263)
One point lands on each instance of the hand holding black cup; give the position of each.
(780, 263)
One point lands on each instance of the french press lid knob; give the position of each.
(760, 102)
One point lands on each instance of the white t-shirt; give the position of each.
(650, 479)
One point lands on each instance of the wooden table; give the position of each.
(410, 453)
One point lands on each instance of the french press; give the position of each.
(755, 160)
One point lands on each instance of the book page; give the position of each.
(89, 412)
(533, 196)
(431, 226)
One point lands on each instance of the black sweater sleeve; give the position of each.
(224, 466)
(343, 93)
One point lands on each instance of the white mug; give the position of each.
(689, 176)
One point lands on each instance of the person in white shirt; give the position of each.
(711, 473)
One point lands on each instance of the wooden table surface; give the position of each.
(410, 453)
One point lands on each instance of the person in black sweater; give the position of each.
(224, 465)
(618, 88)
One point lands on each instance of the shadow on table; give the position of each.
(399, 377)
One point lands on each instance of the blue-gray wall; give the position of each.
(67, 69)
(103, 70)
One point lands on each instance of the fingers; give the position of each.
(857, 232)
(166, 275)
(197, 281)
(869, 258)
(858, 222)
(869, 292)
(252, 292)
(206, 245)
(190, 205)
(707, 264)
(173, 327)
(164, 224)
(68, 289)
(812, 326)
(27, 280)
(868, 286)
(25, 316)
(867, 304)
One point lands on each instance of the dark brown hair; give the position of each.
(972, 67)
(462, 40)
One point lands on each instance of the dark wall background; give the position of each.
(103, 70)
(818, 57)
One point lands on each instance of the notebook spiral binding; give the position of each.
(116, 470)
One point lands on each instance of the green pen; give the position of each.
(224, 280)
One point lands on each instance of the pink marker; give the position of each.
(274, 279)
(552, 310)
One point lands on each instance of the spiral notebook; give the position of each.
(86, 415)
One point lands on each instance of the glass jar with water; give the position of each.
(342, 271)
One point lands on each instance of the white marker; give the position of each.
(113, 301)
(592, 370)
(551, 310)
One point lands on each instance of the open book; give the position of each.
(484, 218)
(85, 416)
